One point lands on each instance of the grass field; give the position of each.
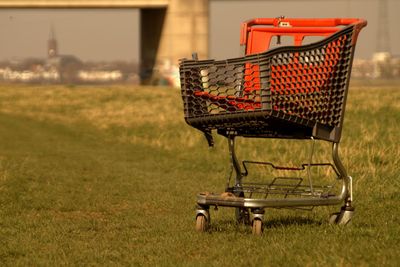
(108, 176)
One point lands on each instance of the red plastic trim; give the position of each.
(286, 25)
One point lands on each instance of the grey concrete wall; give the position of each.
(185, 30)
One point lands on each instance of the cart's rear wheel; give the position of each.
(201, 223)
(242, 216)
(257, 227)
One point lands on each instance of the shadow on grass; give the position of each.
(285, 222)
(290, 221)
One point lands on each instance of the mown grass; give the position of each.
(108, 176)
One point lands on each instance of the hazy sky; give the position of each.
(90, 34)
(113, 34)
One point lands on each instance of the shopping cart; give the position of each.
(293, 92)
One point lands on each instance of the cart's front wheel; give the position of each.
(201, 223)
(333, 218)
(343, 217)
(257, 227)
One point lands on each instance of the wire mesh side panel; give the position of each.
(215, 90)
(311, 84)
(303, 85)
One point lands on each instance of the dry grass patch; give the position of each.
(108, 176)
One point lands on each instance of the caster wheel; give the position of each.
(242, 216)
(201, 223)
(345, 217)
(333, 218)
(257, 227)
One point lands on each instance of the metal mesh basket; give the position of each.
(292, 91)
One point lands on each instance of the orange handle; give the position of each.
(310, 23)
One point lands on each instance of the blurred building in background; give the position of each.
(382, 65)
(170, 30)
(59, 68)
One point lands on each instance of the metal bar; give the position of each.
(336, 160)
(347, 181)
(271, 202)
(302, 168)
(309, 164)
(234, 161)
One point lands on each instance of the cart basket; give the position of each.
(286, 92)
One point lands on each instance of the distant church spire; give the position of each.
(52, 50)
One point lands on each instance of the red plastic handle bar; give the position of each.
(285, 24)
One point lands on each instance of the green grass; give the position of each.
(108, 176)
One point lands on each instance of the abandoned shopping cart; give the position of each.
(295, 91)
